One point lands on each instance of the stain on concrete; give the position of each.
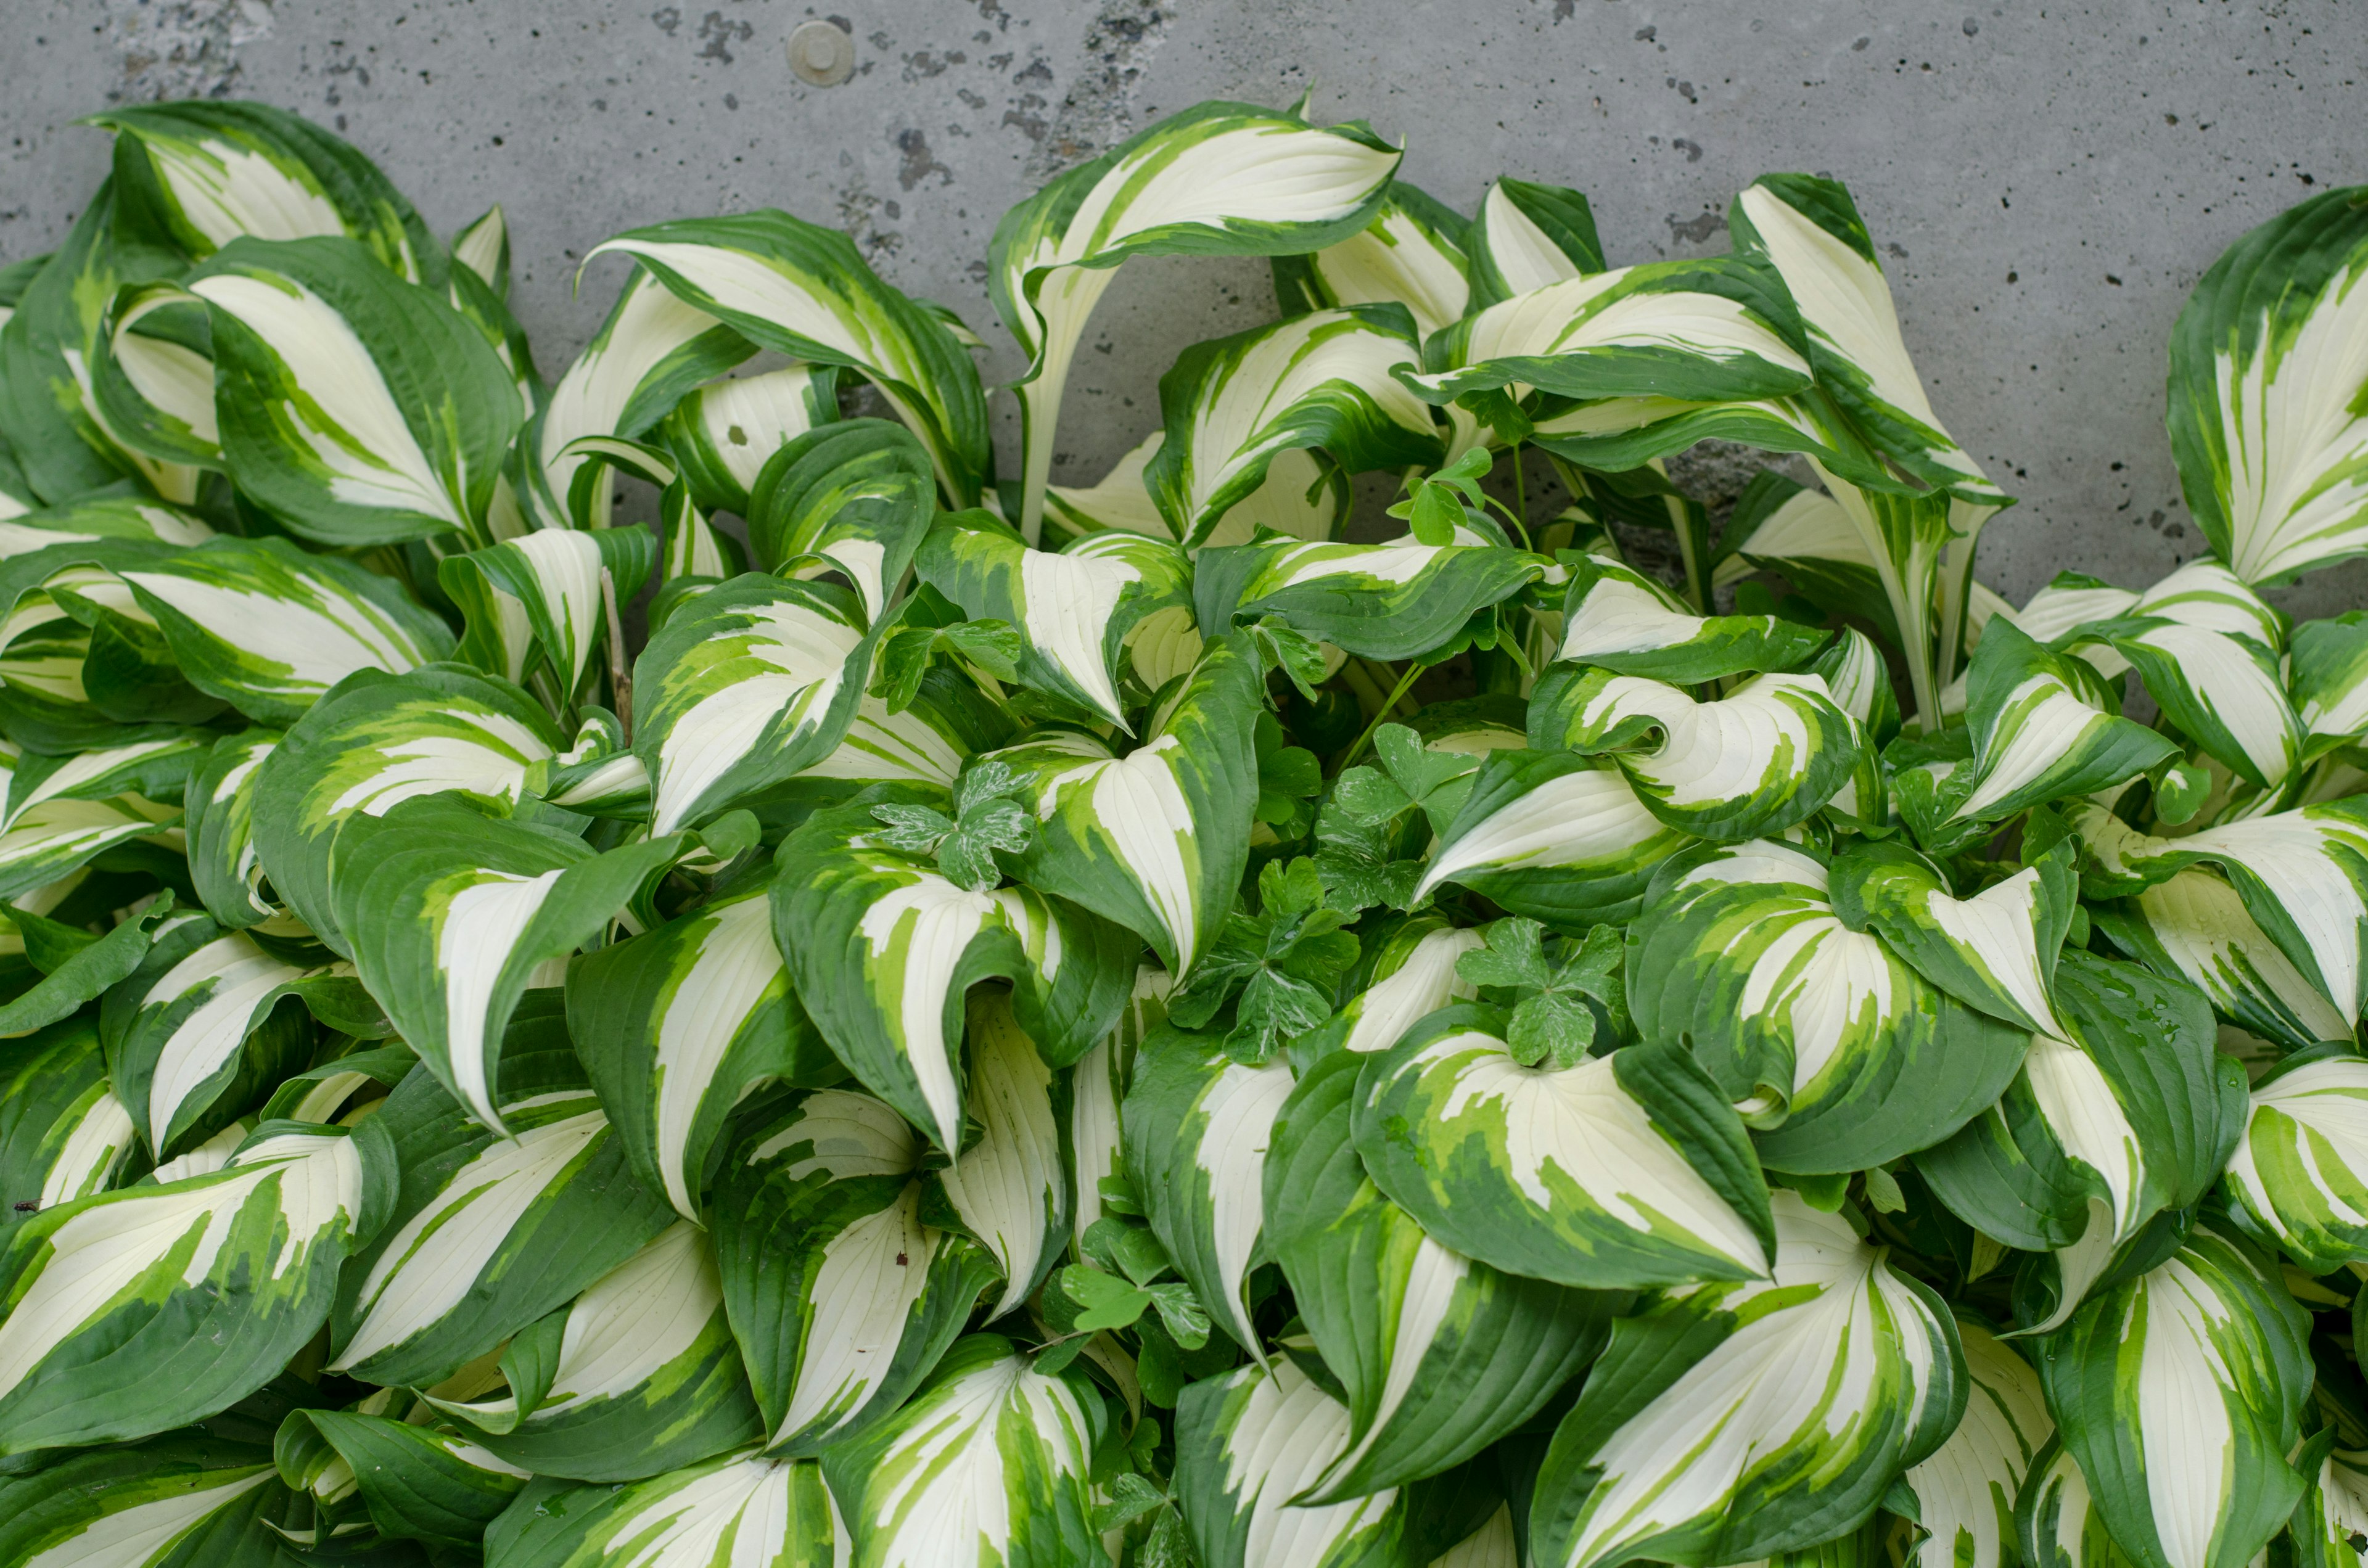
(1697, 229)
(183, 49)
(718, 33)
(919, 164)
(1097, 112)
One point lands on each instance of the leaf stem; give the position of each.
(1406, 683)
(620, 682)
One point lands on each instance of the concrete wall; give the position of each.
(2047, 179)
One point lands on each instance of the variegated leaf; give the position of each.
(1529, 235)
(769, 1513)
(413, 1483)
(2193, 926)
(64, 1134)
(2298, 1170)
(1397, 600)
(2043, 727)
(724, 433)
(1250, 1442)
(1617, 619)
(855, 497)
(1411, 975)
(1965, 1492)
(168, 1501)
(1009, 1190)
(1554, 837)
(554, 577)
(1994, 950)
(1411, 255)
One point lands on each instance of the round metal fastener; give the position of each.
(822, 54)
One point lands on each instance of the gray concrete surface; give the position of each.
(2049, 179)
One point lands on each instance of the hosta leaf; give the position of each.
(416, 1484)
(1730, 1421)
(453, 916)
(841, 1297)
(639, 1374)
(1398, 600)
(1616, 618)
(1250, 1442)
(209, 173)
(1994, 950)
(1763, 758)
(724, 432)
(677, 1027)
(1412, 975)
(653, 350)
(169, 1501)
(856, 496)
(204, 1029)
(1155, 840)
(2226, 693)
(1009, 1190)
(2193, 926)
(133, 1312)
(1324, 379)
(2298, 1170)
(2039, 732)
(63, 1133)
(1440, 1354)
(881, 951)
(2057, 1523)
(356, 408)
(986, 1466)
(2327, 668)
(1098, 1089)
(2179, 1392)
(2131, 1113)
(269, 628)
(1074, 609)
(1808, 230)
(2266, 365)
(767, 1513)
(1838, 1054)
(89, 519)
(1197, 1128)
(554, 577)
(1552, 835)
(743, 688)
(489, 1234)
(151, 374)
(1219, 179)
(805, 291)
(1628, 1170)
(1778, 525)
(1965, 1492)
(1411, 253)
(218, 809)
(2334, 1507)
(371, 744)
(1528, 235)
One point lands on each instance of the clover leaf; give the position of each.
(1549, 986)
(985, 818)
(1281, 967)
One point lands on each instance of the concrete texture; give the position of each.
(2047, 180)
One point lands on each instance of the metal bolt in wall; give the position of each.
(822, 54)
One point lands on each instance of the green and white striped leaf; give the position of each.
(1994, 950)
(1778, 525)
(1440, 1355)
(2327, 672)
(2299, 1169)
(743, 688)
(1619, 619)
(92, 518)
(454, 915)
(2178, 1392)
(151, 374)
(1155, 840)
(169, 1501)
(1219, 179)
(1965, 1492)
(639, 1374)
(2193, 926)
(353, 407)
(374, 741)
(2130, 1113)
(204, 1029)
(1397, 600)
(679, 1026)
(1009, 1190)
(1325, 378)
(2334, 1507)
(219, 813)
(854, 496)
(765, 1512)
(2266, 366)
(807, 292)
(1198, 1125)
(208, 172)
(554, 576)
(1306, 496)
(1764, 758)
(1098, 1089)
(64, 1134)
(1074, 608)
(653, 351)
(1412, 976)
(2056, 1522)
(986, 1466)
(415, 1484)
(2042, 731)
(882, 950)
(724, 432)
(269, 628)
(2225, 693)
(1552, 835)
(1836, 1052)
(132, 1311)
(1627, 1171)
(841, 1296)
(1528, 235)
(489, 1234)
(1809, 231)
(1250, 1442)
(1732, 1422)
(1410, 255)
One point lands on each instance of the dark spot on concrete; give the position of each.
(1036, 73)
(1565, 10)
(716, 36)
(992, 11)
(2012, 278)
(1972, 27)
(918, 164)
(923, 65)
(1694, 230)
(1692, 149)
(731, 100)
(668, 19)
(1646, 35)
(1896, 249)
(1858, 46)
(972, 99)
(2114, 280)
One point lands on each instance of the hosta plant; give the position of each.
(910, 1017)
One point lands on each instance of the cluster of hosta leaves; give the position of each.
(1028, 1025)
